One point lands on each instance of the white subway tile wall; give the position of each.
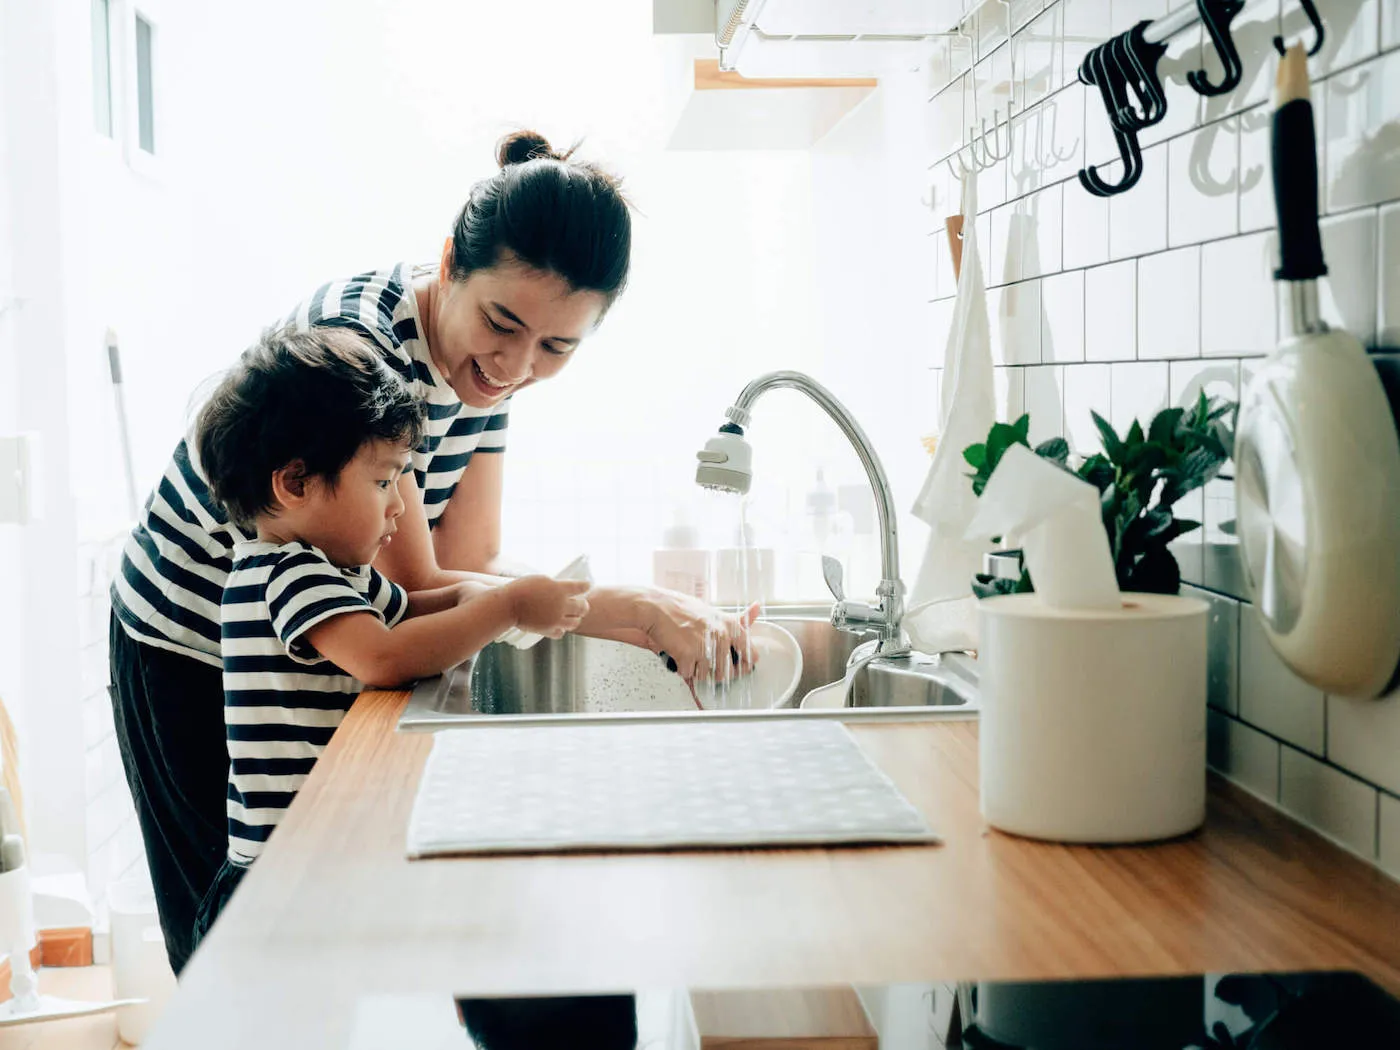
(1147, 298)
(1272, 697)
(1340, 806)
(1110, 311)
(1248, 757)
(1169, 305)
(1390, 835)
(1389, 334)
(1062, 301)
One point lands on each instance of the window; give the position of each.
(145, 101)
(102, 66)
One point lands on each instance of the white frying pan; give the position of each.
(1317, 457)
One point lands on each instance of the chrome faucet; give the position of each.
(724, 464)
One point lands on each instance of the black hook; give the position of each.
(1316, 20)
(1217, 16)
(1137, 60)
(1098, 70)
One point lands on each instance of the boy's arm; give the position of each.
(439, 599)
(427, 644)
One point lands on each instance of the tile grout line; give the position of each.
(1335, 218)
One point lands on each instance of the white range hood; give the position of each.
(830, 38)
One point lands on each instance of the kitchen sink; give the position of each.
(551, 683)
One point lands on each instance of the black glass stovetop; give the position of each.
(1252, 1011)
(1283, 1011)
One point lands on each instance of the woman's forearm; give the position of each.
(617, 613)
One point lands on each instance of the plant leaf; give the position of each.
(1164, 426)
(1097, 471)
(984, 586)
(1134, 436)
(1022, 427)
(976, 456)
(999, 440)
(1056, 450)
(1156, 572)
(1113, 448)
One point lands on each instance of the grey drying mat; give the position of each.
(641, 787)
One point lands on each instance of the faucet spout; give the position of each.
(885, 619)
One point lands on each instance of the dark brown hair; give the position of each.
(552, 213)
(316, 396)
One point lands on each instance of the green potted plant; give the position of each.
(1140, 476)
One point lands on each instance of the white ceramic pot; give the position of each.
(1093, 724)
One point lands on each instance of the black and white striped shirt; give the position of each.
(282, 700)
(179, 554)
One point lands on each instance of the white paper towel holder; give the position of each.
(1093, 722)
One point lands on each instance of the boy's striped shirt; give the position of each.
(282, 700)
(178, 555)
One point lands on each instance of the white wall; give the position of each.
(40, 178)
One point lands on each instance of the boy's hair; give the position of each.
(314, 396)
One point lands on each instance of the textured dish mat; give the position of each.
(635, 787)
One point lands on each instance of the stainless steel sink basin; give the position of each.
(551, 683)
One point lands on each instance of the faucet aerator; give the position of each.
(724, 464)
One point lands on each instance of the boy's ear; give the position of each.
(290, 484)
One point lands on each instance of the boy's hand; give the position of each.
(548, 607)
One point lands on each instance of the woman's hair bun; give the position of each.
(520, 146)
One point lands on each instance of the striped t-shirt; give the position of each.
(179, 554)
(282, 700)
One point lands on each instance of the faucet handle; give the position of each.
(831, 570)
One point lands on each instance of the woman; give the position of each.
(536, 256)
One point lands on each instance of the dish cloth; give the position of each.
(942, 613)
(646, 787)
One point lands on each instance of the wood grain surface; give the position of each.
(333, 914)
(783, 1019)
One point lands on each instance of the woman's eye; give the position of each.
(499, 329)
(555, 350)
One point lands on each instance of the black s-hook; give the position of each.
(1217, 15)
(1316, 19)
(1100, 70)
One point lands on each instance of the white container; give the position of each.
(18, 936)
(680, 564)
(744, 575)
(140, 967)
(1093, 724)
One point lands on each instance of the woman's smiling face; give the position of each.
(505, 327)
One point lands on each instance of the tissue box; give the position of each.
(1093, 725)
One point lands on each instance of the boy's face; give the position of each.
(355, 518)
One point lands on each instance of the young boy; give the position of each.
(303, 443)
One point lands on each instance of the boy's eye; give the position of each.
(383, 484)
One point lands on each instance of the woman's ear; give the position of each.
(445, 266)
(291, 485)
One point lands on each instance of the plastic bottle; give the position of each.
(744, 572)
(680, 563)
(825, 532)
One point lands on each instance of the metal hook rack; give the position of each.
(1124, 70)
(981, 155)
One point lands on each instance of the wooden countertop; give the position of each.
(333, 914)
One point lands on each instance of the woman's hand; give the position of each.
(551, 608)
(697, 640)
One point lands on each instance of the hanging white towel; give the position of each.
(942, 613)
